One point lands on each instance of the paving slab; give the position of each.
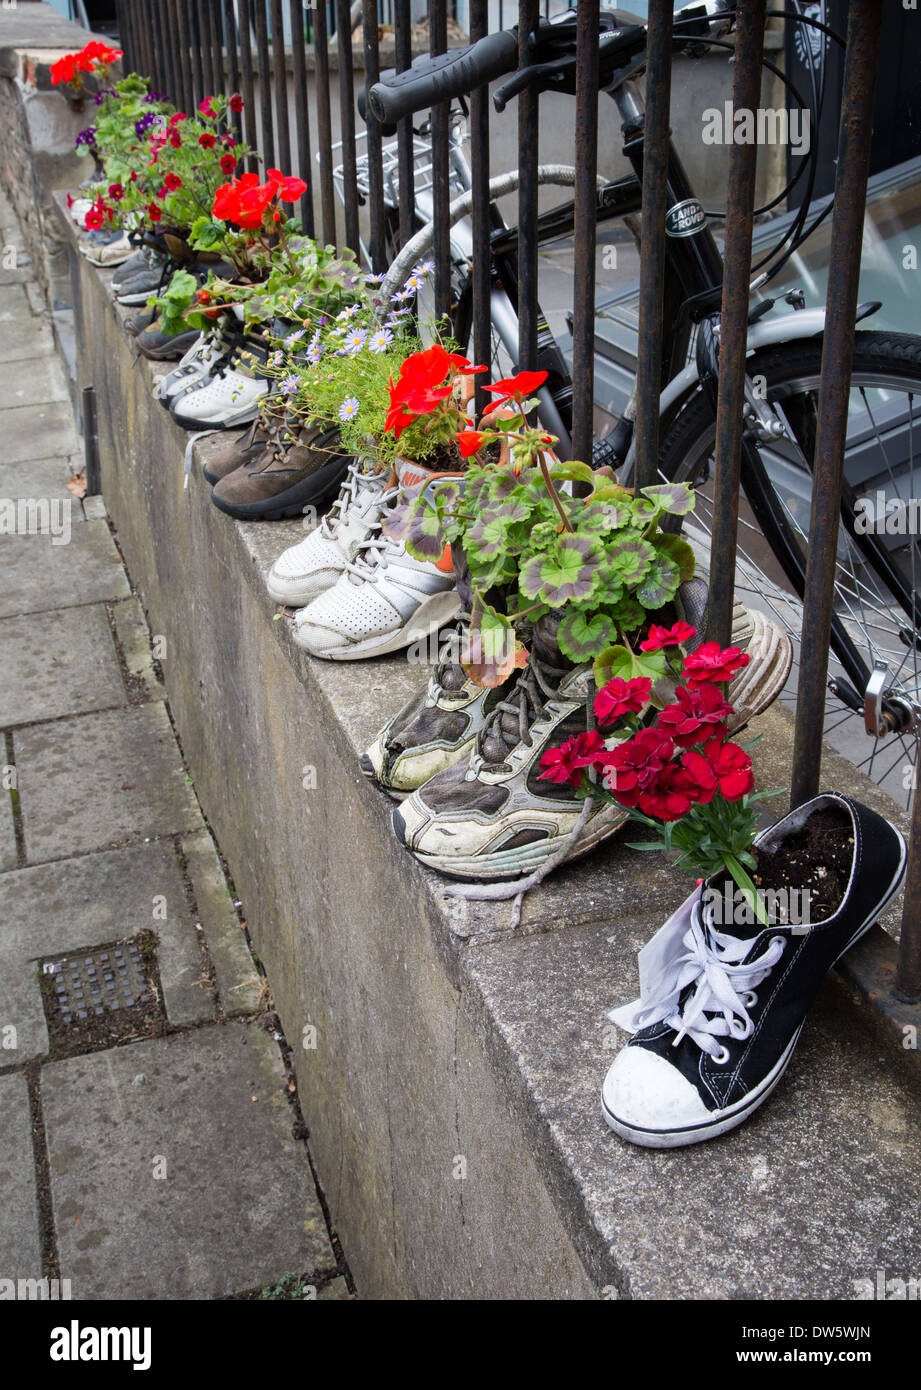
(32, 431)
(33, 380)
(36, 574)
(20, 334)
(58, 663)
(15, 312)
(34, 478)
(134, 640)
(20, 1237)
(234, 1206)
(101, 780)
(21, 1006)
(97, 898)
(811, 1195)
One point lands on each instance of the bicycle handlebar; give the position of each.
(454, 74)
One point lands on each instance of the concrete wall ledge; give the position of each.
(443, 1035)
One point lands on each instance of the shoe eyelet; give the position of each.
(749, 999)
(740, 1030)
(781, 940)
(721, 1057)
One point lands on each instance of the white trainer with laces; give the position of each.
(195, 369)
(384, 599)
(232, 396)
(305, 570)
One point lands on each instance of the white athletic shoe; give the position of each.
(106, 254)
(305, 570)
(232, 397)
(384, 599)
(196, 368)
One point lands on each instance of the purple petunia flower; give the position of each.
(86, 137)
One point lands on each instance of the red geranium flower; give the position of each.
(694, 715)
(469, 442)
(172, 182)
(633, 766)
(207, 141)
(671, 795)
(288, 189)
(565, 764)
(620, 697)
(524, 384)
(711, 662)
(236, 102)
(660, 637)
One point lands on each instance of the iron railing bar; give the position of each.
(174, 55)
(185, 40)
(161, 39)
(280, 83)
(403, 52)
(198, 81)
(221, 54)
(302, 111)
(861, 57)
(480, 213)
(207, 47)
(245, 29)
(585, 232)
(441, 189)
(324, 124)
(740, 206)
(377, 250)
(265, 84)
(233, 63)
(347, 123)
(528, 154)
(652, 241)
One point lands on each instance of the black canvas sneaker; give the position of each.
(721, 1008)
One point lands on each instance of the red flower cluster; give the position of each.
(245, 201)
(98, 214)
(660, 637)
(515, 388)
(644, 771)
(72, 65)
(426, 379)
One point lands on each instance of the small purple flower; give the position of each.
(348, 409)
(142, 126)
(355, 341)
(86, 137)
(293, 338)
(381, 340)
(402, 295)
(289, 386)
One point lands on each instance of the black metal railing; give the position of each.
(283, 60)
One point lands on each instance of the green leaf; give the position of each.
(582, 637)
(678, 551)
(492, 650)
(620, 661)
(675, 498)
(567, 571)
(660, 583)
(628, 558)
(572, 471)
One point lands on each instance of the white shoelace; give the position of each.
(356, 480)
(377, 548)
(723, 988)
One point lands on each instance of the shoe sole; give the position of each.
(436, 612)
(135, 299)
(246, 417)
(508, 864)
(735, 1115)
(293, 500)
(166, 354)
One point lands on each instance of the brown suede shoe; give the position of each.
(286, 478)
(241, 447)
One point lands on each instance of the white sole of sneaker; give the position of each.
(300, 598)
(224, 422)
(725, 1120)
(514, 863)
(434, 613)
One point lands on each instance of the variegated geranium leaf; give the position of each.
(396, 522)
(447, 496)
(582, 636)
(491, 651)
(572, 472)
(568, 571)
(501, 485)
(660, 583)
(674, 498)
(629, 557)
(488, 536)
(597, 518)
(425, 538)
(626, 613)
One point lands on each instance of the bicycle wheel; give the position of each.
(877, 596)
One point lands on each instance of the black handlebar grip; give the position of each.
(454, 74)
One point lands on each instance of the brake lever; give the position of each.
(537, 74)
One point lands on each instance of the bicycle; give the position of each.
(875, 676)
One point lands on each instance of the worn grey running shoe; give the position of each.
(490, 816)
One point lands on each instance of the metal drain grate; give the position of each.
(95, 983)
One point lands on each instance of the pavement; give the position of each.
(155, 1150)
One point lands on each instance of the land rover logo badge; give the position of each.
(684, 219)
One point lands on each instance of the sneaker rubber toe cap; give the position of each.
(644, 1092)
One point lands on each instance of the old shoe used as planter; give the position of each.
(722, 1004)
(290, 475)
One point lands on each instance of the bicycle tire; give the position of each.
(885, 364)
